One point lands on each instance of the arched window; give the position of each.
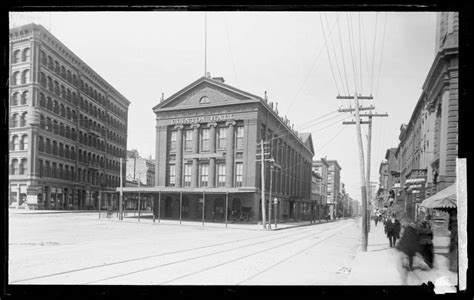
(50, 62)
(68, 132)
(63, 72)
(41, 168)
(56, 107)
(16, 56)
(66, 152)
(14, 167)
(69, 76)
(49, 124)
(26, 54)
(14, 121)
(74, 116)
(44, 59)
(25, 77)
(68, 113)
(55, 127)
(42, 100)
(24, 97)
(24, 117)
(55, 148)
(41, 143)
(14, 143)
(56, 67)
(24, 142)
(48, 146)
(62, 129)
(50, 84)
(63, 92)
(73, 153)
(42, 79)
(68, 95)
(49, 103)
(23, 166)
(14, 99)
(47, 169)
(61, 149)
(16, 78)
(56, 87)
(63, 110)
(42, 122)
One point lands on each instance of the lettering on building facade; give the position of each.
(203, 119)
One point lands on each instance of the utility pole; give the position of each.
(139, 175)
(358, 122)
(270, 202)
(121, 192)
(262, 159)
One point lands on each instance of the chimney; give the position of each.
(162, 97)
(265, 97)
(208, 74)
(276, 107)
(220, 79)
(271, 105)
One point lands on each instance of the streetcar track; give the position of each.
(255, 253)
(164, 254)
(210, 254)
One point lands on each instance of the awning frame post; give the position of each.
(226, 207)
(159, 205)
(203, 206)
(180, 205)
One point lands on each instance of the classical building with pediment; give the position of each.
(207, 157)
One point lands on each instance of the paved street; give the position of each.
(78, 248)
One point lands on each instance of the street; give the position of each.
(79, 248)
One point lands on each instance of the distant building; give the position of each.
(139, 169)
(68, 126)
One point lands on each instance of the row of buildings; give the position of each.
(424, 162)
(68, 139)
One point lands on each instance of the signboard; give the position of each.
(31, 199)
(33, 190)
(203, 119)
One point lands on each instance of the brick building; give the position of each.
(68, 126)
(140, 169)
(207, 137)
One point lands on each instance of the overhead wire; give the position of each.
(230, 49)
(373, 55)
(354, 68)
(381, 57)
(327, 51)
(335, 53)
(342, 52)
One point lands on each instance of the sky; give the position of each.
(302, 59)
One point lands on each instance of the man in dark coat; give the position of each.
(392, 229)
(426, 242)
(410, 243)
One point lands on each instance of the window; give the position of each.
(204, 100)
(54, 170)
(23, 119)
(220, 174)
(24, 97)
(187, 175)
(25, 77)
(221, 138)
(173, 134)
(240, 137)
(172, 176)
(205, 139)
(14, 99)
(14, 121)
(26, 54)
(16, 78)
(47, 169)
(14, 167)
(188, 145)
(239, 168)
(204, 171)
(14, 143)
(24, 142)
(16, 56)
(41, 170)
(41, 144)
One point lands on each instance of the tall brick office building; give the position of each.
(68, 126)
(206, 155)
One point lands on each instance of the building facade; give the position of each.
(321, 167)
(140, 169)
(68, 126)
(207, 156)
(334, 186)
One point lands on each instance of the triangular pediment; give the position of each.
(205, 92)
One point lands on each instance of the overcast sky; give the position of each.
(144, 54)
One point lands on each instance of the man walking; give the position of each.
(392, 229)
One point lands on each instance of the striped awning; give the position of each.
(445, 198)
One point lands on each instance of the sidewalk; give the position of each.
(147, 218)
(381, 265)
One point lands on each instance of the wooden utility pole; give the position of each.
(121, 192)
(361, 161)
(270, 202)
(263, 159)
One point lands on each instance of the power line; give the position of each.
(352, 55)
(309, 73)
(381, 56)
(335, 52)
(327, 51)
(342, 52)
(339, 132)
(373, 54)
(230, 49)
(360, 57)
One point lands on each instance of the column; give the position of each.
(229, 158)
(195, 166)
(179, 155)
(212, 161)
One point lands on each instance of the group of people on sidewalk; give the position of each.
(414, 237)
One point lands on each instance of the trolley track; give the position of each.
(276, 235)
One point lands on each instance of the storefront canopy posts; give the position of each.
(100, 197)
(180, 205)
(203, 206)
(159, 205)
(226, 207)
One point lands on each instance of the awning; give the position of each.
(444, 199)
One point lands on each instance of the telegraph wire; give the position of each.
(230, 49)
(329, 56)
(335, 52)
(373, 54)
(342, 52)
(352, 55)
(360, 57)
(339, 132)
(381, 55)
(309, 73)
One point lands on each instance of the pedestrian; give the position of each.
(376, 220)
(409, 243)
(426, 241)
(392, 229)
